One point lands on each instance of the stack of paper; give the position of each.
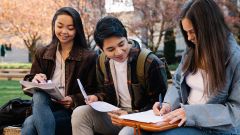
(103, 106)
(99, 105)
(147, 116)
(49, 88)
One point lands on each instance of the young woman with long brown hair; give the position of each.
(206, 87)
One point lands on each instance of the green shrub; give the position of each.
(169, 49)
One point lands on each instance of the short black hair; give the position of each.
(108, 26)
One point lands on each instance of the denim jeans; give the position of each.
(190, 131)
(127, 131)
(48, 117)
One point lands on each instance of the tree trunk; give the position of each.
(144, 36)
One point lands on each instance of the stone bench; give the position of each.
(12, 130)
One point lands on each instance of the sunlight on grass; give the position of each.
(10, 90)
(15, 65)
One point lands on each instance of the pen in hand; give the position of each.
(160, 100)
(39, 78)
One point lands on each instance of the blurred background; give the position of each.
(26, 25)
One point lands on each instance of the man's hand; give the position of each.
(91, 98)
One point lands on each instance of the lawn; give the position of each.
(9, 90)
(15, 65)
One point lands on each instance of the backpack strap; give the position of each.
(102, 59)
(140, 69)
(141, 65)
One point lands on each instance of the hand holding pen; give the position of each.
(164, 109)
(40, 78)
(160, 108)
(88, 98)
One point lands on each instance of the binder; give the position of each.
(138, 126)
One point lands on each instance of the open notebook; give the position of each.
(50, 88)
(147, 117)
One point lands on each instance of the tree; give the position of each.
(169, 49)
(232, 16)
(155, 17)
(29, 21)
(91, 11)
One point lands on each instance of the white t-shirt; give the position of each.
(196, 84)
(119, 74)
(59, 73)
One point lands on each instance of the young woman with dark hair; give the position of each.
(64, 60)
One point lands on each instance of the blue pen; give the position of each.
(160, 100)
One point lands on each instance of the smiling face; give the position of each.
(64, 29)
(116, 48)
(188, 28)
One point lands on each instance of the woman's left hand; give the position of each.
(67, 102)
(115, 114)
(176, 115)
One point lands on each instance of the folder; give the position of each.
(138, 126)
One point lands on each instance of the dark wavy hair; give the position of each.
(79, 39)
(108, 27)
(213, 48)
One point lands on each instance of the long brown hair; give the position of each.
(212, 48)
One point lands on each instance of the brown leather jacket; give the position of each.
(80, 64)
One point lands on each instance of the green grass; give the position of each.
(15, 65)
(9, 90)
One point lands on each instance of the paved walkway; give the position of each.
(16, 55)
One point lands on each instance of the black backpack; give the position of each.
(14, 112)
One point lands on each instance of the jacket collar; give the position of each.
(134, 51)
(233, 47)
(75, 53)
(50, 53)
